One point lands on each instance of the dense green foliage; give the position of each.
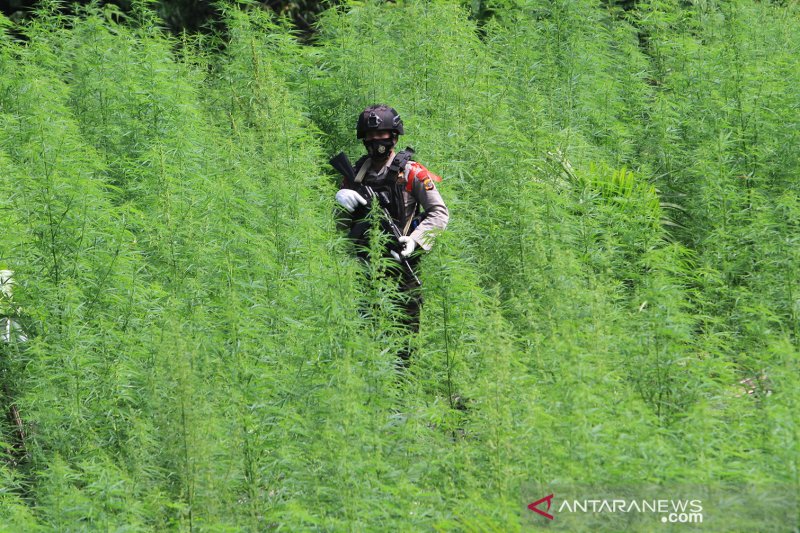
(207, 355)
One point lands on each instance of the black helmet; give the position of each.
(379, 118)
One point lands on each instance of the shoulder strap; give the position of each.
(400, 160)
(408, 224)
(362, 164)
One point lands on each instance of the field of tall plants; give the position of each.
(615, 302)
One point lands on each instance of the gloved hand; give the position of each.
(408, 245)
(349, 199)
(408, 248)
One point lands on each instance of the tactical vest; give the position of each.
(390, 188)
(391, 185)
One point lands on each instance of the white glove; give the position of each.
(350, 199)
(408, 248)
(408, 245)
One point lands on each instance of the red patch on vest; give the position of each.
(422, 174)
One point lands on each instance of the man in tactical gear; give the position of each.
(404, 187)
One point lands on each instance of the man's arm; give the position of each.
(436, 213)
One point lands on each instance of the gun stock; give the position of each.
(342, 164)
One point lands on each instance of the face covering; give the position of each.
(379, 148)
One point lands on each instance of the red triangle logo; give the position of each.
(533, 506)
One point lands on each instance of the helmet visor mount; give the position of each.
(373, 121)
(379, 118)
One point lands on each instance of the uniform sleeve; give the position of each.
(437, 216)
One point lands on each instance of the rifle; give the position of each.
(342, 164)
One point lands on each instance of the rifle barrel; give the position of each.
(397, 235)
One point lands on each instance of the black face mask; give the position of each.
(379, 148)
